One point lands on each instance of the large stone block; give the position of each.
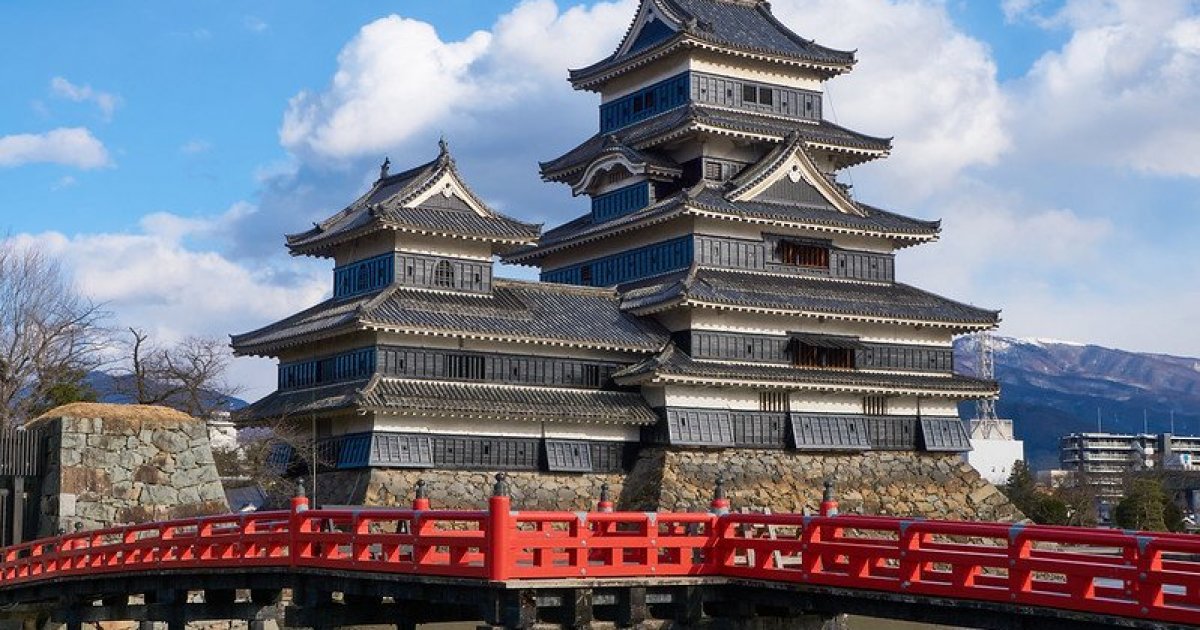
(126, 464)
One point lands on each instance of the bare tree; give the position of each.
(50, 334)
(189, 376)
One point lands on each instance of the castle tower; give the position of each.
(725, 307)
(421, 359)
(716, 211)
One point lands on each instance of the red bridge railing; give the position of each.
(1124, 574)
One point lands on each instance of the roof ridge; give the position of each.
(556, 286)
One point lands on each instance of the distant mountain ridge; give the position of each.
(111, 389)
(1051, 387)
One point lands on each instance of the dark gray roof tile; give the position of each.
(742, 25)
(788, 293)
(384, 207)
(503, 402)
(712, 200)
(515, 310)
(647, 133)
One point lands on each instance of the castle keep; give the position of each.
(726, 303)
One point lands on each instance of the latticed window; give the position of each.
(800, 254)
(774, 401)
(465, 366)
(811, 356)
(875, 406)
(443, 275)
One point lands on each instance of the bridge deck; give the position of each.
(515, 568)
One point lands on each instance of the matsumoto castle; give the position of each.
(725, 293)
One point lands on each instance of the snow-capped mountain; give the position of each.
(1051, 387)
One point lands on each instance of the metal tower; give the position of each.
(986, 425)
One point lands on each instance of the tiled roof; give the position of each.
(811, 295)
(711, 201)
(304, 402)
(683, 119)
(330, 315)
(504, 402)
(384, 206)
(545, 313)
(674, 362)
(874, 219)
(741, 25)
(451, 399)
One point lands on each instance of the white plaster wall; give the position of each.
(440, 246)
(708, 319)
(451, 426)
(994, 458)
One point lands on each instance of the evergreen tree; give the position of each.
(1144, 507)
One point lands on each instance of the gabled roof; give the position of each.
(683, 120)
(674, 365)
(614, 152)
(746, 28)
(471, 401)
(515, 311)
(711, 202)
(391, 204)
(813, 297)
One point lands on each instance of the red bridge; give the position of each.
(516, 569)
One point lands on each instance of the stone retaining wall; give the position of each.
(884, 483)
(117, 464)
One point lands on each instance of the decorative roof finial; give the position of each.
(443, 146)
(383, 168)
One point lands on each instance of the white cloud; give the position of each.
(73, 146)
(918, 78)
(1123, 90)
(105, 101)
(153, 279)
(66, 181)
(255, 24)
(195, 147)
(397, 78)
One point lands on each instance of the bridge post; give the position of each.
(829, 505)
(605, 504)
(720, 503)
(420, 498)
(499, 526)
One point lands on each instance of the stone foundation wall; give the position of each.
(464, 489)
(117, 464)
(883, 483)
(929, 485)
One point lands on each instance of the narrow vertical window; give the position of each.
(875, 406)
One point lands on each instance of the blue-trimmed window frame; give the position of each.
(635, 264)
(364, 276)
(620, 202)
(646, 102)
(347, 366)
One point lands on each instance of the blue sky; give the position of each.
(163, 153)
